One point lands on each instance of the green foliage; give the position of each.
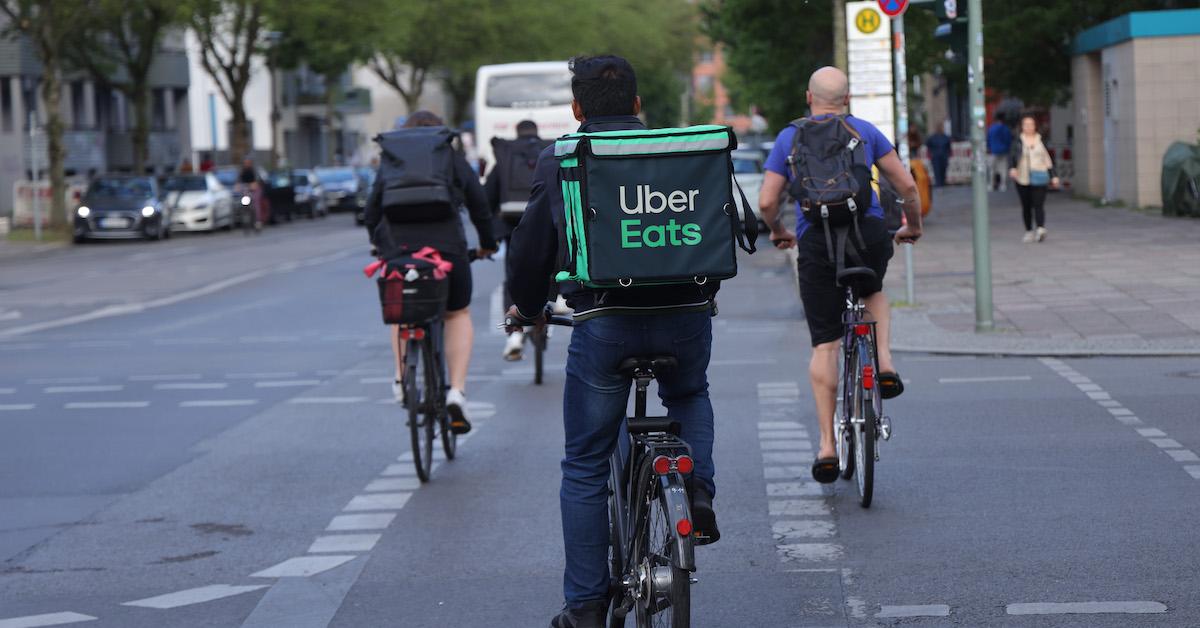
(771, 47)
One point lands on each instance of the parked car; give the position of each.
(198, 202)
(310, 195)
(748, 172)
(368, 177)
(344, 189)
(122, 207)
(282, 195)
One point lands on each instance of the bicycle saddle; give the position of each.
(657, 364)
(855, 274)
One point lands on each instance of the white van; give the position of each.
(508, 93)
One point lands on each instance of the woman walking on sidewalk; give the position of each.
(1031, 168)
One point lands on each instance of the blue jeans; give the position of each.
(594, 402)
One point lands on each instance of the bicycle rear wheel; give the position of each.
(419, 402)
(666, 590)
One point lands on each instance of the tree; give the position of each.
(50, 25)
(120, 52)
(412, 40)
(231, 33)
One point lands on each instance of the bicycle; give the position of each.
(651, 552)
(861, 421)
(248, 212)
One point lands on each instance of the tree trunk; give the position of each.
(140, 97)
(460, 93)
(412, 101)
(239, 146)
(840, 55)
(330, 118)
(56, 151)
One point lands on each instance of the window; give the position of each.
(529, 90)
(158, 114)
(706, 56)
(6, 105)
(78, 107)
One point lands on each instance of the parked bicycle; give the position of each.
(861, 422)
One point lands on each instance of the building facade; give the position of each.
(1136, 82)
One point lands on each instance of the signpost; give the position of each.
(869, 51)
(893, 8)
(983, 254)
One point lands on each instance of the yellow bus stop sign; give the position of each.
(867, 21)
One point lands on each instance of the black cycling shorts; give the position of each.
(460, 282)
(825, 301)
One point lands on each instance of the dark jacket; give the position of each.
(534, 256)
(447, 236)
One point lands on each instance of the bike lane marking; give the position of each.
(48, 619)
(194, 596)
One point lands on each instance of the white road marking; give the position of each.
(7, 391)
(793, 489)
(326, 400)
(194, 596)
(1149, 432)
(217, 403)
(175, 377)
(814, 552)
(351, 523)
(787, 473)
(1099, 395)
(1063, 608)
(1109, 403)
(267, 339)
(267, 375)
(293, 383)
(779, 425)
(785, 457)
(495, 304)
(1193, 470)
(303, 566)
(97, 344)
(1183, 455)
(803, 529)
(82, 389)
(49, 619)
(15, 407)
(797, 507)
(916, 610)
(191, 386)
(398, 484)
(1088, 387)
(782, 434)
(63, 380)
(377, 501)
(399, 469)
(981, 380)
(103, 405)
(376, 380)
(1120, 411)
(480, 410)
(801, 445)
(342, 543)
(1166, 443)
(1129, 420)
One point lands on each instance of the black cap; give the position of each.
(585, 68)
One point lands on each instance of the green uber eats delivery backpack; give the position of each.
(651, 207)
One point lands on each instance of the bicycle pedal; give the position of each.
(885, 428)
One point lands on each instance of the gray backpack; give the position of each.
(830, 176)
(416, 173)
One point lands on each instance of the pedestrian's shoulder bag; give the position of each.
(646, 207)
(416, 171)
(831, 178)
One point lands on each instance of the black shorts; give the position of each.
(825, 301)
(460, 282)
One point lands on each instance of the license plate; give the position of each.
(114, 222)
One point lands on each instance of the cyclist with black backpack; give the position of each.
(422, 182)
(825, 160)
(508, 185)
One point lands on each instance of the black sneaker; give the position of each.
(704, 520)
(587, 615)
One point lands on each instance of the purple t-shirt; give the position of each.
(877, 145)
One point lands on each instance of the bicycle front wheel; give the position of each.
(539, 338)
(864, 431)
(420, 419)
(666, 590)
(435, 375)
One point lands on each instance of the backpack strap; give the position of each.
(747, 236)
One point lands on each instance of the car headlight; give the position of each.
(83, 211)
(147, 211)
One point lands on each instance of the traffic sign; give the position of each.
(893, 7)
(867, 20)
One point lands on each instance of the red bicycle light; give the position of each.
(684, 464)
(868, 377)
(404, 334)
(418, 334)
(684, 527)
(662, 465)
(862, 330)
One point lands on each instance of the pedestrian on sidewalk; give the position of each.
(938, 144)
(1032, 169)
(999, 143)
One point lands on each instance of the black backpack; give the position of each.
(416, 173)
(830, 176)
(515, 162)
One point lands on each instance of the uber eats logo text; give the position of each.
(647, 201)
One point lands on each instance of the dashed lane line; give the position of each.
(7, 391)
(343, 543)
(354, 523)
(918, 610)
(48, 619)
(16, 407)
(377, 501)
(105, 405)
(165, 377)
(292, 383)
(1075, 608)
(304, 566)
(216, 403)
(62, 380)
(984, 380)
(53, 390)
(326, 400)
(262, 375)
(198, 595)
(396, 484)
(191, 386)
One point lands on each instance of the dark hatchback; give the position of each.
(122, 207)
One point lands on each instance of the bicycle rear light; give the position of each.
(868, 377)
(862, 330)
(684, 464)
(412, 334)
(684, 527)
(662, 465)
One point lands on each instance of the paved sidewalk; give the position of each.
(1105, 281)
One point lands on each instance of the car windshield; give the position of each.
(746, 166)
(300, 178)
(335, 175)
(127, 187)
(186, 184)
(519, 91)
(227, 176)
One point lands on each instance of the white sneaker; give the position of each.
(560, 307)
(515, 347)
(1041, 234)
(456, 407)
(1029, 238)
(398, 391)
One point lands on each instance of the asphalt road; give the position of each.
(199, 433)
